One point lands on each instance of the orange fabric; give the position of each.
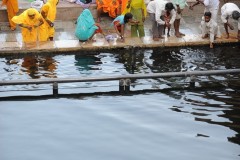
(12, 9)
(123, 5)
(108, 6)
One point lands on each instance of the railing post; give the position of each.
(127, 85)
(192, 81)
(55, 88)
(124, 85)
(121, 85)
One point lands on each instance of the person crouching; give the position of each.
(209, 27)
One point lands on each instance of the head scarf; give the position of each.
(24, 18)
(85, 25)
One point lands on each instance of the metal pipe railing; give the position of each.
(130, 76)
(124, 80)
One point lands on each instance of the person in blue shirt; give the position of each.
(119, 23)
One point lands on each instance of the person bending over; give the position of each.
(230, 10)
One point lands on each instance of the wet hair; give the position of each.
(169, 6)
(235, 15)
(208, 14)
(127, 16)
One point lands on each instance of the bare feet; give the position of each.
(182, 34)
(205, 36)
(211, 45)
(231, 27)
(156, 39)
(227, 36)
(122, 39)
(178, 35)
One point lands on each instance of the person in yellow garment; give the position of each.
(32, 26)
(138, 9)
(49, 11)
(12, 10)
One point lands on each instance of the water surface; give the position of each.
(172, 124)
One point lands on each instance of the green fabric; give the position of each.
(135, 28)
(137, 15)
(181, 3)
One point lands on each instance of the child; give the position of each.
(167, 24)
(119, 23)
(209, 27)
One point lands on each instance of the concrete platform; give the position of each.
(65, 40)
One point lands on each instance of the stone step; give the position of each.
(70, 11)
(65, 10)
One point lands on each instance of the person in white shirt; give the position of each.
(157, 9)
(230, 10)
(209, 28)
(210, 6)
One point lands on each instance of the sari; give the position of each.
(12, 9)
(38, 33)
(50, 10)
(108, 7)
(122, 6)
(85, 26)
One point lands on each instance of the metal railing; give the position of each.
(124, 80)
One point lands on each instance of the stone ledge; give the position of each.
(65, 46)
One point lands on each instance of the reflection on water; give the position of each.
(213, 107)
(170, 124)
(33, 66)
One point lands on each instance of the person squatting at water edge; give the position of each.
(12, 10)
(48, 12)
(209, 28)
(86, 26)
(138, 9)
(230, 10)
(112, 7)
(119, 24)
(157, 9)
(210, 6)
(32, 25)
